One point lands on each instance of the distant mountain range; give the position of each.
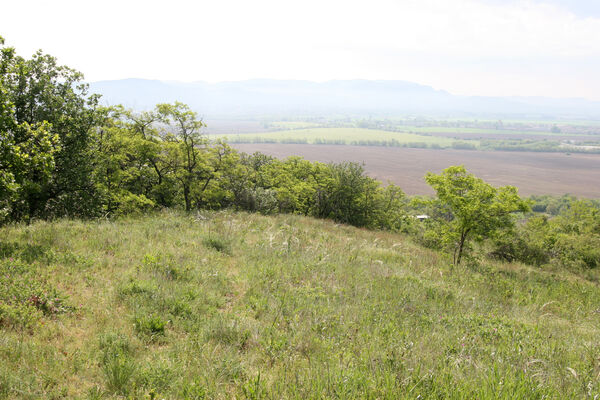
(266, 97)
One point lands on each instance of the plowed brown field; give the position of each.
(532, 173)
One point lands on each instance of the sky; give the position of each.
(468, 47)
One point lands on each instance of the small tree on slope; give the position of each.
(476, 209)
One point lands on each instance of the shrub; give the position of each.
(516, 247)
(137, 287)
(150, 325)
(164, 266)
(117, 363)
(578, 250)
(119, 372)
(133, 204)
(258, 199)
(18, 316)
(219, 244)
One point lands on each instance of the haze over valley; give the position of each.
(362, 98)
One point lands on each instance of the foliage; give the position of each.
(25, 297)
(475, 209)
(47, 116)
(571, 239)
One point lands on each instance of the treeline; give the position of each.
(562, 231)
(546, 146)
(161, 159)
(62, 155)
(571, 239)
(458, 145)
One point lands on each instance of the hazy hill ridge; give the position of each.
(267, 97)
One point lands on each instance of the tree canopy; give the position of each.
(475, 209)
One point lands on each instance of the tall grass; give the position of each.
(234, 305)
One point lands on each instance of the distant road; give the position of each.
(531, 172)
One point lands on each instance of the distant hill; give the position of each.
(265, 97)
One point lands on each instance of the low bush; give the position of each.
(217, 243)
(151, 326)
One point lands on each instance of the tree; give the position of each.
(346, 194)
(124, 178)
(188, 148)
(476, 209)
(46, 111)
(27, 150)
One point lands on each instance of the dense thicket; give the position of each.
(63, 155)
(571, 239)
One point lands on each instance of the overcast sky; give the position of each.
(473, 47)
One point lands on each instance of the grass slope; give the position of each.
(231, 305)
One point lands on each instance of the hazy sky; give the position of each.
(475, 47)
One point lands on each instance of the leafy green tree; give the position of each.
(155, 148)
(575, 235)
(346, 195)
(476, 209)
(124, 178)
(49, 115)
(251, 183)
(222, 162)
(187, 148)
(27, 150)
(390, 210)
(295, 182)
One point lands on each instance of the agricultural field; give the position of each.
(533, 136)
(224, 305)
(339, 136)
(442, 130)
(500, 134)
(531, 172)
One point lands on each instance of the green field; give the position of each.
(484, 131)
(231, 305)
(345, 135)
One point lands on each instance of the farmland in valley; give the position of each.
(531, 172)
(340, 136)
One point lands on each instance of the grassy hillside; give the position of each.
(226, 305)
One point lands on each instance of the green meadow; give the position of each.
(231, 305)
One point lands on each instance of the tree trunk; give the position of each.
(186, 196)
(461, 244)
